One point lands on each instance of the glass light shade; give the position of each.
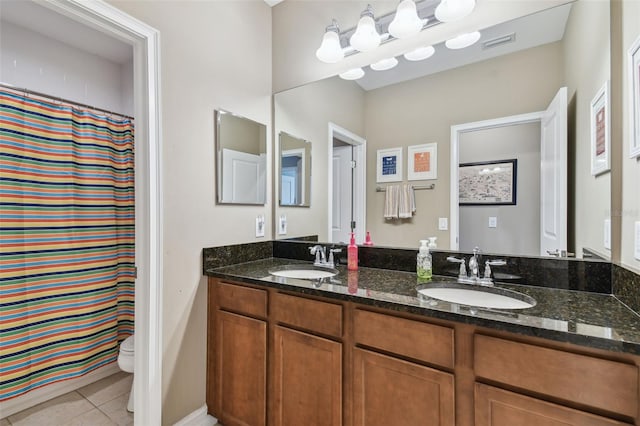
(420, 53)
(406, 22)
(385, 64)
(330, 50)
(352, 74)
(366, 36)
(463, 40)
(453, 10)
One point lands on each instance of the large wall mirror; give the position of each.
(493, 96)
(241, 159)
(294, 171)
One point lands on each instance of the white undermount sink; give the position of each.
(475, 295)
(303, 272)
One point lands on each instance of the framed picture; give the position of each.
(489, 183)
(634, 84)
(422, 161)
(389, 165)
(601, 131)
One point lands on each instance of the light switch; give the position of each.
(493, 222)
(636, 243)
(282, 225)
(607, 234)
(443, 223)
(260, 226)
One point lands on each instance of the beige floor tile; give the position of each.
(108, 388)
(94, 417)
(4, 422)
(116, 409)
(54, 412)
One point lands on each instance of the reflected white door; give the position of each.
(243, 177)
(553, 176)
(342, 194)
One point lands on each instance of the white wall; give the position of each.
(214, 54)
(33, 61)
(518, 230)
(630, 167)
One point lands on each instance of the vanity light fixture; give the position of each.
(454, 10)
(406, 23)
(366, 37)
(463, 40)
(330, 51)
(420, 53)
(384, 64)
(352, 74)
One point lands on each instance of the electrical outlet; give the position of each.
(636, 243)
(260, 226)
(493, 222)
(607, 234)
(282, 225)
(443, 223)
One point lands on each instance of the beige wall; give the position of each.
(203, 67)
(242, 135)
(305, 112)
(586, 46)
(630, 167)
(423, 111)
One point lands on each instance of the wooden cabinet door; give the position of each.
(240, 370)
(390, 391)
(307, 379)
(498, 407)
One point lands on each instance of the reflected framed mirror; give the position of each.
(294, 171)
(241, 159)
(516, 69)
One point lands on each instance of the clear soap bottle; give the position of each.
(423, 265)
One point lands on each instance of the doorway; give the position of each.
(347, 181)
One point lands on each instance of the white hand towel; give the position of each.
(391, 202)
(406, 204)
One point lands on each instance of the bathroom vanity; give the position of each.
(364, 349)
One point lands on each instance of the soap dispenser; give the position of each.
(423, 265)
(352, 254)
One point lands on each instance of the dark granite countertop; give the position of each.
(583, 318)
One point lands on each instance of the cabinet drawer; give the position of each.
(246, 300)
(426, 342)
(599, 383)
(313, 315)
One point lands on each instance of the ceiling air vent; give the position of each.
(499, 41)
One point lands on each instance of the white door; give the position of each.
(243, 177)
(342, 194)
(553, 176)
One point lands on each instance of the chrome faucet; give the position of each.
(474, 269)
(321, 256)
(474, 265)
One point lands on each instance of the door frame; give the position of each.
(145, 41)
(360, 178)
(456, 132)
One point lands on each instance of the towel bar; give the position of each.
(417, 187)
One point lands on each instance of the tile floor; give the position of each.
(103, 403)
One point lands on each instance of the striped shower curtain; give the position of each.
(66, 241)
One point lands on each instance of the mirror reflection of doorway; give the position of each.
(292, 175)
(347, 194)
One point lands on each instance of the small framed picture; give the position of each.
(422, 161)
(389, 165)
(488, 183)
(601, 131)
(634, 107)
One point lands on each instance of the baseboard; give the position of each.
(198, 418)
(35, 397)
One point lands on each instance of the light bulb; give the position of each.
(352, 74)
(330, 51)
(406, 22)
(420, 53)
(366, 36)
(453, 10)
(385, 64)
(463, 40)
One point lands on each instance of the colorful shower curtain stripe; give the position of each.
(66, 241)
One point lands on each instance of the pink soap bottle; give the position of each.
(352, 254)
(367, 240)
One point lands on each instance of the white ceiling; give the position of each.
(50, 24)
(530, 31)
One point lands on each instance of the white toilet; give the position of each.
(126, 363)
